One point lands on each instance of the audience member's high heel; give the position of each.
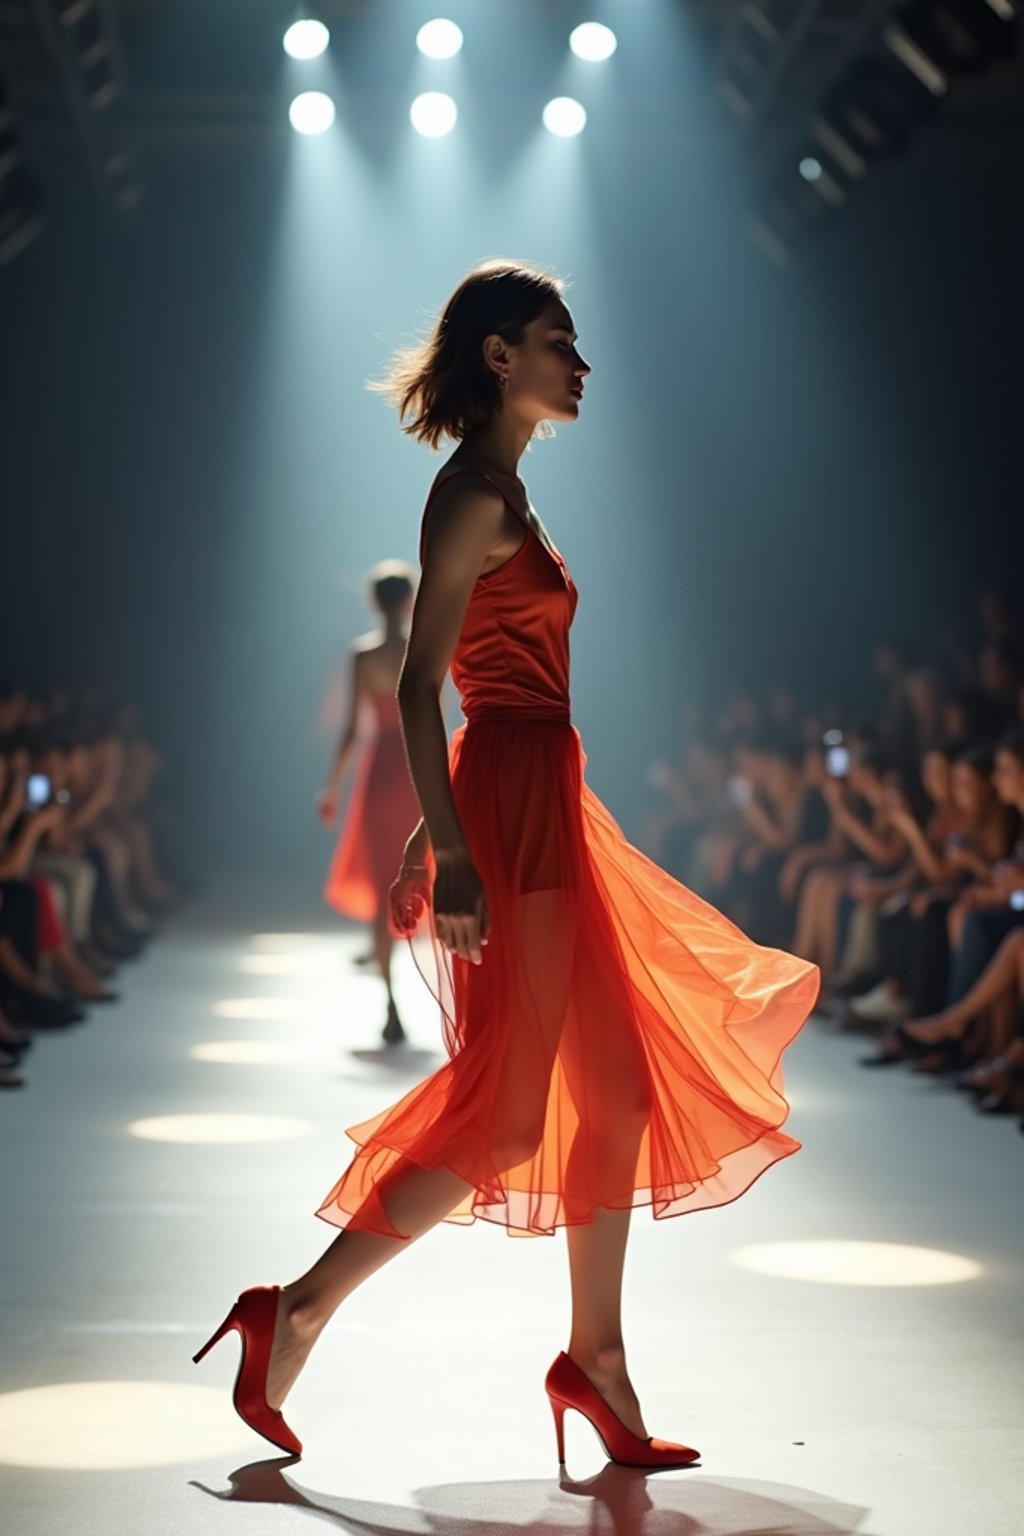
(254, 1315)
(900, 1045)
(1007, 1094)
(569, 1387)
(12, 1041)
(43, 1010)
(8, 1076)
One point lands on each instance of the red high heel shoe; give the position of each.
(253, 1314)
(569, 1387)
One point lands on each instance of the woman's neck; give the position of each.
(498, 445)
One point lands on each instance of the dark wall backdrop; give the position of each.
(771, 469)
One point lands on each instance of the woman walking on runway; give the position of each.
(382, 805)
(613, 1040)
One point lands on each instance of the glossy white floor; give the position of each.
(834, 1379)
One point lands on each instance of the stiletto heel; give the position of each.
(225, 1327)
(254, 1315)
(569, 1387)
(558, 1409)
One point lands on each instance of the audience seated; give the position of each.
(82, 866)
(889, 850)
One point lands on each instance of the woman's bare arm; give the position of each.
(776, 836)
(927, 858)
(462, 527)
(17, 856)
(347, 740)
(884, 847)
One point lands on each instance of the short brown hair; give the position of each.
(389, 583)
(443, 385)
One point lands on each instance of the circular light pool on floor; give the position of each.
(227, 1129)
(105, 1425)
(260, 1053)
(836, 1262)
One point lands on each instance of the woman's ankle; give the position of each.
(604, 1359)
(306, 1314)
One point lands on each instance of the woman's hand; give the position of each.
(861, 887)
(327, 807)
(899, 813)
(461, 916)
(750, 858)
(48, 817)
(958, 856)
(833, 792)
(16, 799)
(791, 874)
(408, 897)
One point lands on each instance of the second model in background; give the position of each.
(382, 808)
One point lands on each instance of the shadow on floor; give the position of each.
(624, 1501)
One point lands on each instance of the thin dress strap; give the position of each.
(454, 474)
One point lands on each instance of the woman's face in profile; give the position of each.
(1008, 778)
(968, 789)
(814, 767)
(547, 371)
(935, 776)
(954, 721)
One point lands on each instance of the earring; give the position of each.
(502, 380)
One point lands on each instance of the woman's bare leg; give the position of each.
(611, 1088)
(808, 921)
(1002, 1024)
(75, 974)
(1003, 975)
(597, 1252)
(383, 944)
(415, 1199)
(828, 936)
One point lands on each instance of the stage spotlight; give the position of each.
(593, 42)
(439, 39)
(311, 112)
(564, 117)
(433, 114)
(306, 40)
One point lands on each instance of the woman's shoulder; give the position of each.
(468, 467)
(460, 503)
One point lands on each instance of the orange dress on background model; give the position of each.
(620, 1045)
(381, 813)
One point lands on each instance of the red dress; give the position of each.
(620, 1044)
(382, 811)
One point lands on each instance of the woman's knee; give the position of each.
(1013, 943)
(516, 1143)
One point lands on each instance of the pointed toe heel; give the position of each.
(253, 1316)
(567, 1386)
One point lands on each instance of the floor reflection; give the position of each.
(617, 1501)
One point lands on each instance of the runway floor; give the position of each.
(845, 1343)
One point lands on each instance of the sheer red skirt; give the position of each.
(621, 1043)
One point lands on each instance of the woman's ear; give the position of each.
(496, 354)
